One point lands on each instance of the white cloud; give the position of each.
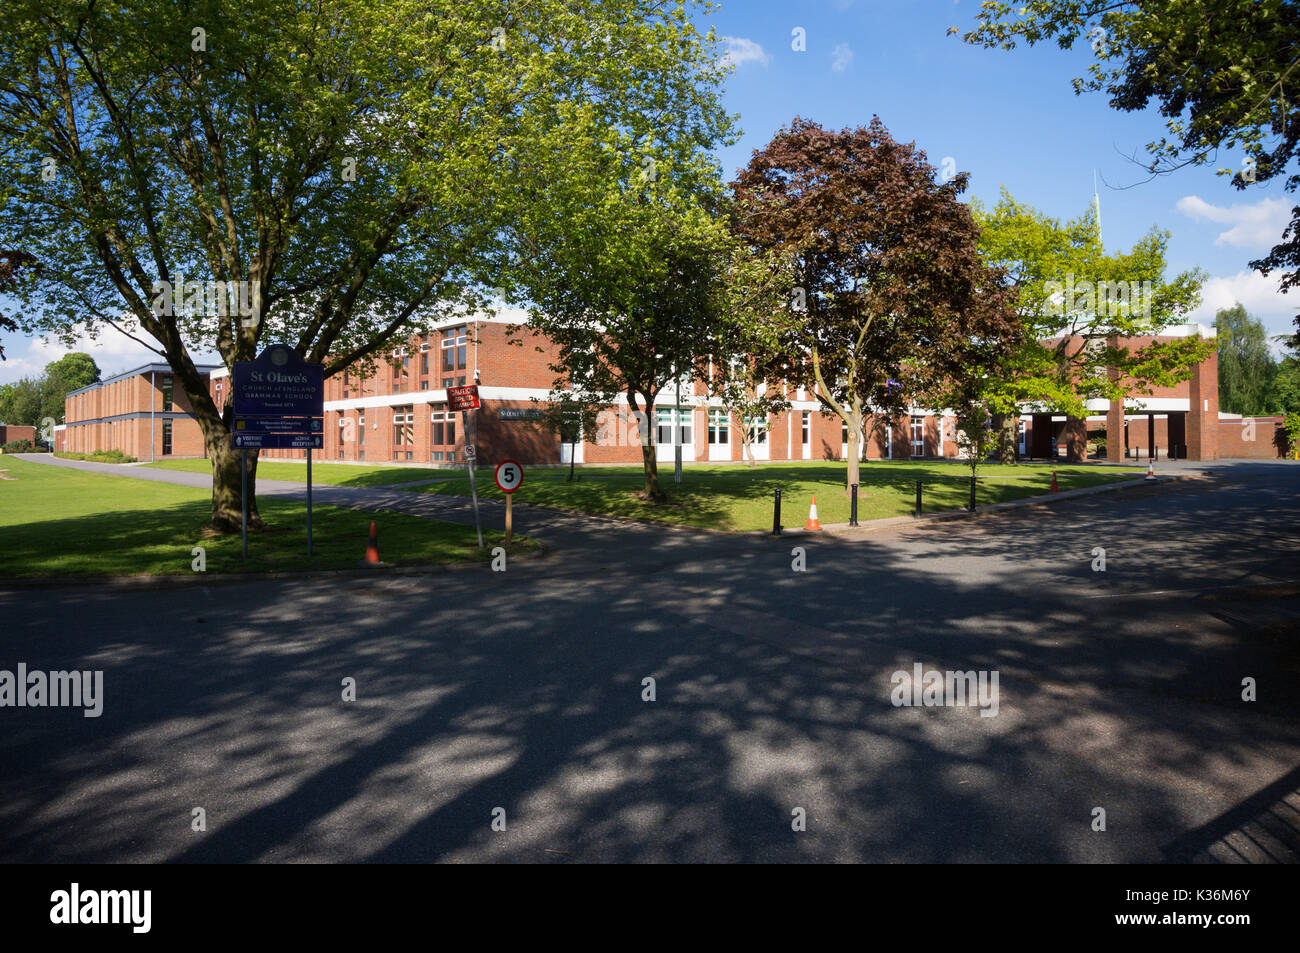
(1259, 225)
(841, 57)
(741, 50)
(113, 352)
(1259, 295)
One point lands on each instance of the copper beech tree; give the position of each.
(889, 303)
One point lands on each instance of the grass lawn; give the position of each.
(336, 474)
(740, 498)
(57, 521)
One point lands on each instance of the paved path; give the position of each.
(523, 690)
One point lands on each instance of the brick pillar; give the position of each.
(1203, 411)
(1076, 439)
(1114, 417)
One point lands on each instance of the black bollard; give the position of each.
(776, 514)
(972, 494)
(853, 507)
(918, 497)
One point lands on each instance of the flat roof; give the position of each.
(143, 369)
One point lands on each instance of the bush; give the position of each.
(99, 456)
(22, 446)
(1292, 426)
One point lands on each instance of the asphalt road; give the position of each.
(522, 690)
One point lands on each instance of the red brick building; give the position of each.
(140, 412)
(14, 432)
(400, 414)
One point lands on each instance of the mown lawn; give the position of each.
(57, 521)
(740, 498)
(335, 474)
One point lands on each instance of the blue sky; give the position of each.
(1007, 118)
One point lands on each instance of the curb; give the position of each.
(179, 581)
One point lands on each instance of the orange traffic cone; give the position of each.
(1151, 471)
(812, 515)
(372, 547)
(1054, 490)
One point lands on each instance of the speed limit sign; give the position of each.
(509, 476)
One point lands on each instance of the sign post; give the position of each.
(243, 495)
(465, 399)
(509, 477)
(278, 402)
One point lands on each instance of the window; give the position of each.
(719, 427)
(403, 427)
(453, 348)
(424, 360)
(361, 436)
(757, 427)
(665, 419)
(448, 382)
(807, 428)
(167, 394)
(443, 429)
(167, 438)
(918, 436)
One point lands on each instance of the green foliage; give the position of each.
(1246, 368)
(1075, 300)
(22, 446)
(32, 401)
(1222, 72)
(99, 456)
(356, 166)
(1292, 427)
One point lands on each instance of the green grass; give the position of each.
(740, 498)
(335, 474)
(57, 521)
(99, 456)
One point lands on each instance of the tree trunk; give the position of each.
(649, 458)
(854, 442)
(1005, 425)
(227, 503)
(650, 462)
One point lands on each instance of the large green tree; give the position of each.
(1225, 74)
(348, 168)
(1076, 302)
(70, 372)
(1246, 367)
(888, 301)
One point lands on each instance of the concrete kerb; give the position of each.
(870, 525)
(202, 578)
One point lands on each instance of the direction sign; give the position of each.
(463, 398)
(297, 425)
(278, 383)
(278, 441)
(509, 476)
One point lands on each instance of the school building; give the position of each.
(400, 414)
(140, 412)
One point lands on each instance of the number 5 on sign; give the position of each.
(509, 476)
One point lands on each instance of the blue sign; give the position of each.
(278, 441)
(278, 384)
(298, 425)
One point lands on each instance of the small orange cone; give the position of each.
(1054, 490)
(812, 515)
(372, 547)
(1151, 471)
